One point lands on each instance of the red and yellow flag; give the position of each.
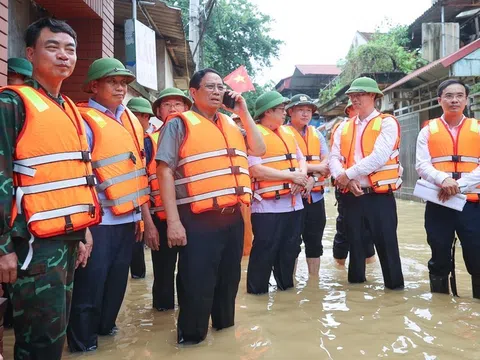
(239, 80)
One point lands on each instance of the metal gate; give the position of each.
(410, 126)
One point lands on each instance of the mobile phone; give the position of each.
(228, 101)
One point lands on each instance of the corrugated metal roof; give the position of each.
(444, 62)
(167, 21)
(433, 15)
(319, 69)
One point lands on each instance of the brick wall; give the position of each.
(3, 41)
(95, 40)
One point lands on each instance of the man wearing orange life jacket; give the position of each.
(46, 160)
(279, 177)
(115, 138)
(142, 109)
(365, 161)
(314, 147)
(340, 242)
(164, 258)
(448, 155)
(203, 177)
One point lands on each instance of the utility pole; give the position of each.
(194, 30)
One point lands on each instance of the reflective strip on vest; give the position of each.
(24, 170)
(154, 210)
(278, 158)
(467, 159)
(211, 174)
(51, 214)
(212, 194)
(397, 182)
(54, 185)
(312, 157)
(47, 159)
(211, 154)
(152, 177)
(153, 194)
(388, 167)
(395, 154)
(473, 191)
(285, 186)
(318, 183)
(124, 199)
(121, 178)
(113, 159)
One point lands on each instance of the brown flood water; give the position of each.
(324, 318)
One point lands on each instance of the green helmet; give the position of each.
(301, 99)
(140, 105)
(20, 66)
(171, 92)
(364, 85)
(105, 67)
(268, 101)
(349, 104)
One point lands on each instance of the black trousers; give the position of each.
(208, 272)
(314, 220)
(164, 262)
(276, 245)
(137, 265)
(99, 288)
(441, 224)
(340, 241)
(377, 214)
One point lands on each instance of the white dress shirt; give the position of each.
(424, 165)
(364, 165)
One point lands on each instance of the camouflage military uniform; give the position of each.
(42, 293)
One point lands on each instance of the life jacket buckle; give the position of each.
(239, 190)
(277, 195)
(308, 157)
(86, 156)
(456, 175)
(91, 210)
(138, 210)
(456, 158)
(292, 169)
(231, 152)
(133, 158)
(68, 225)
(286, 186)
(235, 170)
(91, 180)
(289, 156)
(142, 154)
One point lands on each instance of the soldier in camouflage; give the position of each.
(40, 294)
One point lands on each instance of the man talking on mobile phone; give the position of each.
(203, 178)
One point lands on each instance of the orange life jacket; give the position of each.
(52, 172)
(311, 147)
(385, 179)
(281, 154)
(156, 207)
(118, 159)
(455, 156)
(213, 161)
(333, 131)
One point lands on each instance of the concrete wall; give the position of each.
(432, 48)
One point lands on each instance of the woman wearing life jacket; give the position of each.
(278, 179)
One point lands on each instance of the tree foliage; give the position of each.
(237, 33)
(384, 52)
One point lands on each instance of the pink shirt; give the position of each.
(284, 204)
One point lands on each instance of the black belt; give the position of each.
(368, 190)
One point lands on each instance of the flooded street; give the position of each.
(324, 318)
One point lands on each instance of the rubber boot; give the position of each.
(476, 286)
(439, 284)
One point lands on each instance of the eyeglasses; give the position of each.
(450, 97)
(211, 87)
(170, 106)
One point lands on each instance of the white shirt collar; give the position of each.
(374, 114)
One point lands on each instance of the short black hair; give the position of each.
(449, 82)
(199, 75)
(56, 26)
